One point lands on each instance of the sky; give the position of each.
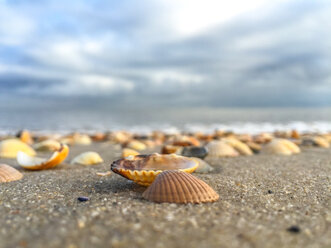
(166, 52)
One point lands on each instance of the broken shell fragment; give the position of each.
(10, 147)
(179, 187)
(47, 145)
(35, 163)
(87, 158)
(126, 152)
(281, 146)
(143, 169)
(195, 151)
(217, 149)
(9, 174)
(169, 149)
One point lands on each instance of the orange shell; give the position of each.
(179, 187)
(33, 163)
(9, 174)
(143, 169)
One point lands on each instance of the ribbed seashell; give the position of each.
(25, 137)
(35, 163)
(203, 166)
(281, 146)
(9, 174)
(179, 187)
(10, 147)
(241, 147)
(47, 145)
(136, 145)
(217, 149)
(143, 169)
(87, 158)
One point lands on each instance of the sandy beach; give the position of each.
(265, 201)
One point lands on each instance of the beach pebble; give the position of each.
(195, 151)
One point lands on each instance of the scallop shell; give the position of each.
(241, 147)
(34, 163)
(87, 158)
(179, 187)
(281, 146)
(143, 169)
(47, 145)
(9, 174)
(217, 149)
(10, 147)
(126, 152)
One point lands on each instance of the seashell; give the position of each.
(25, 137)
(255, 147)
(126, 152)
(179, 187)
(195, 151)
(104, 174)
(321, 142)
(295, 134)
(263, 138)
(34, 163)
(143, 169)
(149, 143)
(10, 147)
(136, 145)
(217, 149)
(9, 174)
(119, 137)
(241, 147)
(203, 166)
(87, 158)
(98, 137)
(281, 146)
(169, 149)
(186, 141)
(81, 139)
(47, 145)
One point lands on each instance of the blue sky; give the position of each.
(167, 52)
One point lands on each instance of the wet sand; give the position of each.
(261, 197)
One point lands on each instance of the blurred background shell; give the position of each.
(87, 158)
(217, 149)
(10, 147)
(179, 187)
(240, 147)
(9, 174)
(281, 146)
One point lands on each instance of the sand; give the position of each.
(261, 197)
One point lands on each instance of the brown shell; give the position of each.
(143, 169)
(179, 187)
(9, 174)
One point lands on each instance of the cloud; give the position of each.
(213, 53)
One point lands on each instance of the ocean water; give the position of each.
(144, 120)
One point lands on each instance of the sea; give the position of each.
(167, 119)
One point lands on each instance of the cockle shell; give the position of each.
(10, 147)
(87, 158)
(35, 163)
(281, 146)
(9, 174)
(217, 149)
(47, 145)
(126, 152)
(143, 169)
(179, 187)
(241, 147)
